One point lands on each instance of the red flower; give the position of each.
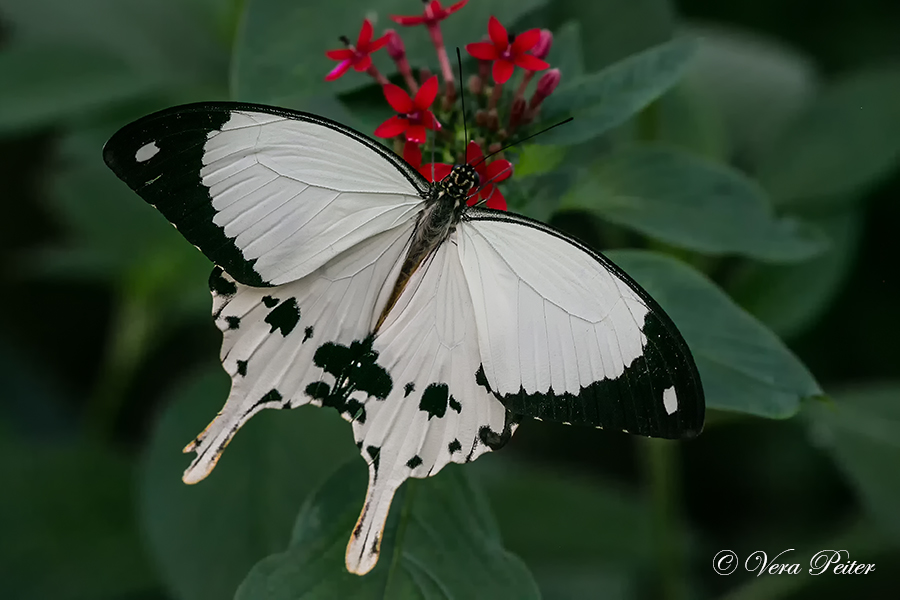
(356, 56)
(434, 13)
(412, 154)
(507, 56)
(488, 175)
(414, 117)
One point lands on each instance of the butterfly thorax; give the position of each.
(443, 210)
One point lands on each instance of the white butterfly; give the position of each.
(346, 279)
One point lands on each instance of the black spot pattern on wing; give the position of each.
(455, 405)
(354, 369)
(269, 397)
(495, 440)
(408, 389)
(632, 402)
(435, 399)
(242, 368)
(414, 462)
(219, 285)
(307, 333)
(454, 446)
(284, 317)
(374, 453)
(233, 322)
(269, 301)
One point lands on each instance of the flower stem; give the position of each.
(663, 479)
(377, 75)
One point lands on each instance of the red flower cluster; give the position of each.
(414, 115)
(500, 53)
(507, 56)
(355, 56)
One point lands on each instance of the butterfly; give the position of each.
(344, 278)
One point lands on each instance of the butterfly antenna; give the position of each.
(462, 98)
(524, 139)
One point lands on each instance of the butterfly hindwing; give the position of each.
(279, 342)
(436, 413)
(268, 194)
(566, 336)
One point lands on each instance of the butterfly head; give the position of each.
(460, 180)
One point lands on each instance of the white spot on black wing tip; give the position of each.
(146, 152)
(670, 400)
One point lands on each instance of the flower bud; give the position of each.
(395, 48)
(542, 48)
(476, 85)
(515, 114)
(547, 83)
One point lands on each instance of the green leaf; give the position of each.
(684, 117)
(791, 298)
(844, 143)
(559, 507)
(68, 525)
(743, 365)
(280, 55)
(207, 536)
(44, 84)
(692, 203)
(861, 431)
(618, 28)
(440, 542)
(757, 84)
(603, 100)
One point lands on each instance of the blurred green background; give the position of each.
(108, 354)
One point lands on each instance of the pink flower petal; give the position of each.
(392, 127)
(473, 153)
(365, 34)
(499, 170)
(496, 200)
(483, 51)
(503, 70)
(412, 153)
(526, 40)
(435, 171)
(430, 121)
(530, 63)
(339, 70)
(363, 63)
(398, 98)
(379, 43)
(407, 21)
(427, 93)
(341, 54)
(498, 34)
(455, 7)
(416, 133)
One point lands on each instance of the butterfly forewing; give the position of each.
(267, 194)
